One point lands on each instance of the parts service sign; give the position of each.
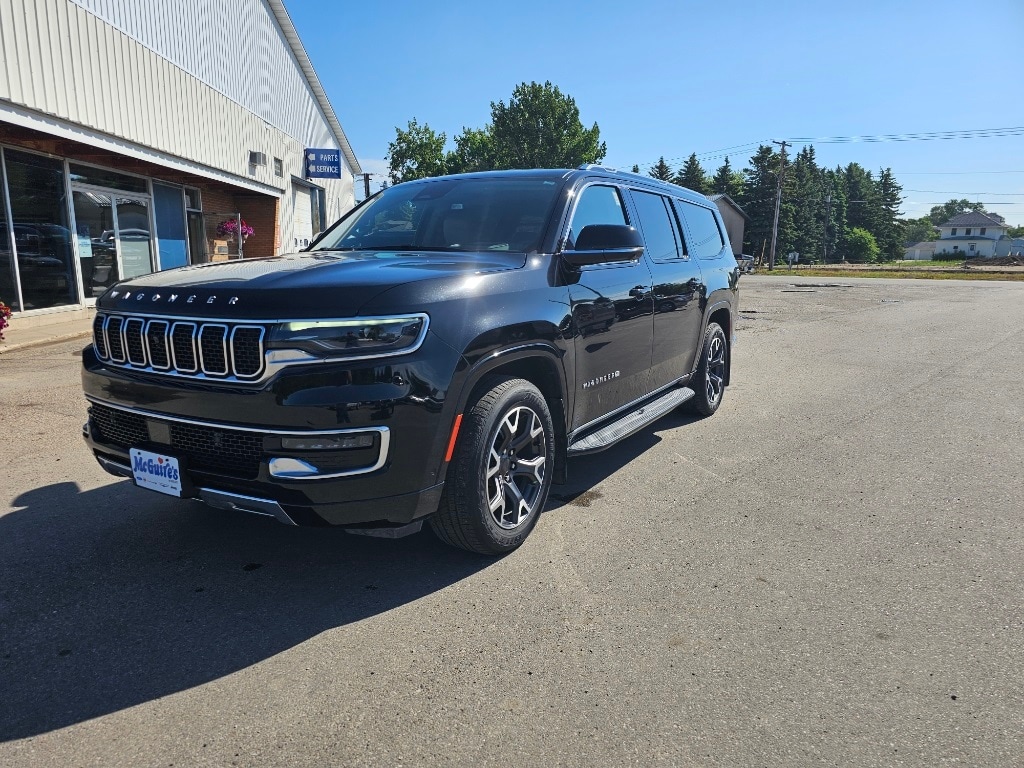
(323, 163)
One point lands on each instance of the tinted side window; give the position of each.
(597, 205)
(705, 237)
(657, 224)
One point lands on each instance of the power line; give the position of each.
(711, 154)
(952, 173)
(940, 192)
(978, 133)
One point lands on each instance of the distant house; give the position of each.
(924, 250)
(735, 219)
(971, 234)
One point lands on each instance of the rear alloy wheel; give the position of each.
(709, 383)
(501, 470)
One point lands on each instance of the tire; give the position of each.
(501, 470)
(709, 382)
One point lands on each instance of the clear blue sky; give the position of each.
(671, 78)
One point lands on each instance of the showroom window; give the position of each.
(42, 238)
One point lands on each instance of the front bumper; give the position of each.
(287, 502)
(233, 442)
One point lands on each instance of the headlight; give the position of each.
(351, 338)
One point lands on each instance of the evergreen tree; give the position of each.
(726, 181)
(661, 170)
(889, 232)
(835, 215)
(758, 200)
(809, 213)
(636, 168)
(865, 209)
(692, 176)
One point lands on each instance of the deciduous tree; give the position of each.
(919, 230)
(416, 153)
(940, 214)
(474, 151)
(861, 246)
(540, 128)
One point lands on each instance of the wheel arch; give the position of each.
(721, 313)
(541, 365)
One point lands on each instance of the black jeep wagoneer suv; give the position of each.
(437, 354)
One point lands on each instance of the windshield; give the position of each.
(452, 215)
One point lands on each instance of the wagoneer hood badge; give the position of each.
(171, 298)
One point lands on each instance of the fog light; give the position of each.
(326, 442)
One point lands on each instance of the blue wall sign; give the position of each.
(323, 163)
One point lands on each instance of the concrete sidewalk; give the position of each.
(25, 332)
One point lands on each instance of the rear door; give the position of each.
(678, 289)
(612, 307)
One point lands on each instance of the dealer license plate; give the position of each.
(156, 471)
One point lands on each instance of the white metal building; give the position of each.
(138, 136)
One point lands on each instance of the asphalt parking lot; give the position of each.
(827, 572)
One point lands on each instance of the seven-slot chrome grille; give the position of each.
(227, 351)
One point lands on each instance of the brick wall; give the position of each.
(260, 212)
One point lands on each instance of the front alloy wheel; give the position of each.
(500, 474)
(516, 468)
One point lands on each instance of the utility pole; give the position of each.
(778, 202)
(366, 185)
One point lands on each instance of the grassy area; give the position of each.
(902, 269)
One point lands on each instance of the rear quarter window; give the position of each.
(657, 223)
(703, 235)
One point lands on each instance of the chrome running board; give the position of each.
(631, 422)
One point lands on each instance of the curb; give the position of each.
(7, 348)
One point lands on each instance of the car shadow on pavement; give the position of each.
(587, 472)
(113, 597)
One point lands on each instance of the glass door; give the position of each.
(133, 236)
(113, 234)
(97, 246)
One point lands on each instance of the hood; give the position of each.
(297, 285)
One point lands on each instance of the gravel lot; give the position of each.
(827, 572)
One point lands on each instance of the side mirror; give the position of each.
(603, 243)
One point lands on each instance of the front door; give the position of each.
(612, 307)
